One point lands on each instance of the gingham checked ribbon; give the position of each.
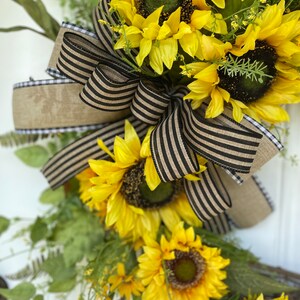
(108, 84)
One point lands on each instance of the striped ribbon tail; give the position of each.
(232, 146)
(74, 158)
(172, 158)
(220, 224)
(208, 196)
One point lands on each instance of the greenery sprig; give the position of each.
(237, 66)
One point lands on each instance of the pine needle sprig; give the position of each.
(253, 70)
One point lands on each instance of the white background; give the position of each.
(276, 240)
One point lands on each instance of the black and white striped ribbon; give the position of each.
(74, 158)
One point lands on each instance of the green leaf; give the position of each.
(62, 286)
(80, 234)
(56, 268)
(4, 224)
(64, 278)
(232, 7)
(38, 231)
(19, 28)
(23, 291)
(242, 278)
(33, 156)
(38, 297)
(38, 12)
(52, 197)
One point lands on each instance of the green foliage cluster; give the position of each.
(38, 12)
(253, 70)
(66, 235)
(81, 11)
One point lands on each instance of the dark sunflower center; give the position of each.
(245, 87)
(186, 270)
(146, 7)
(137, 193)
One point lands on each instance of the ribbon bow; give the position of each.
(106, 83)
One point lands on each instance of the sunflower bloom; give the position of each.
(271, 42)
(137, 201)
(159, 42)
(125, 285)
(182, 268)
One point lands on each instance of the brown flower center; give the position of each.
(137, 193)
(245, 88)
(186, 270)
(146, 7)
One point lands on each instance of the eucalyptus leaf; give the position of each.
(38, 12)
(23, 291)
(52, 197)
(33, 156)
(19, 28)
(4, 224)
(38, 231)
(38, 297)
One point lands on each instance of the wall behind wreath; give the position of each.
(276, 240)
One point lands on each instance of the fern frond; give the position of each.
(13, 139)
(34, 268)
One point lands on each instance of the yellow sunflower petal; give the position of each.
(237, 110)
(216, 105)
(174, 20)
(145, 149)
(145, 48)
(156, 61)
(182, 30)
(200, 18)
(168, 50)
(270, 113)
(132, 139)
(153, 17)
(102, 146)
(219, 3)
(152, 178)
(189, 43)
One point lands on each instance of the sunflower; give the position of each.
(125, 285)
(258, 75)
(158, 31)
(137, 201)
(182, 268)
